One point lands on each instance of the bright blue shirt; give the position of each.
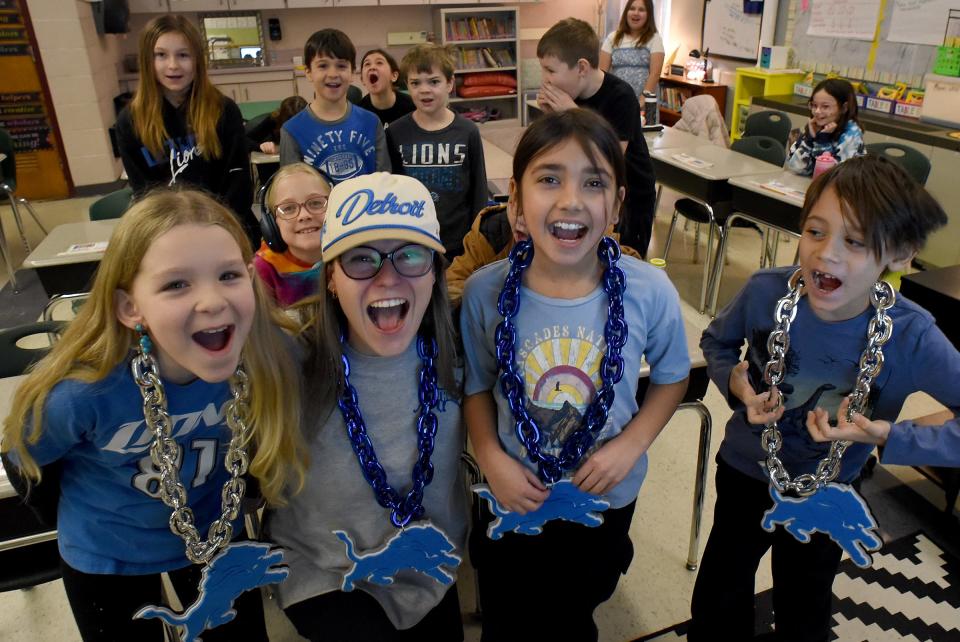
(915, 445)
(110, 519)
(558, 350)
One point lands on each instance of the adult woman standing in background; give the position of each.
(634, 52)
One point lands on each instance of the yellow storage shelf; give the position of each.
(754, 81)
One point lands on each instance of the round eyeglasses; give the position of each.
(314, 205)
(364, 262)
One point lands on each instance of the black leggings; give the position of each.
(358, 617)
(103, 606)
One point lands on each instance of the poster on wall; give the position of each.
(23, 116)
(854, 19)
(921, 22)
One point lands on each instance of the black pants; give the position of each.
(103, 606)
(636, 219)
(546, 587)
(358, 617)
(803, 574)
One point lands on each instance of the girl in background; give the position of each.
(634, 52)
(179, 129)
(263, 134)
(379, 73)
(173, 292)
(833, 127)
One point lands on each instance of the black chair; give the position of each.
(28, 536)
(715, 215)
(772, 123)
(113, 205)
(8, 189)
(909, 159)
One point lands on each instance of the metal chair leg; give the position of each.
(8, 261)
(673, 225)
(704, 286)
(16, 218)
(696, 243)
(33, 214)
(774, 248)
(700, 483)
(718, 264)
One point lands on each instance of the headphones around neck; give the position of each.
(269, 228)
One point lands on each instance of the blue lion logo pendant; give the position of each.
(565, 501)
(233, 571)
(422, 547)
(835, 510)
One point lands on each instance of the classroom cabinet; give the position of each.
(484, 41)
(257, 4)
(148, 6)
(300, 4)
(255, 87)
(179, 6)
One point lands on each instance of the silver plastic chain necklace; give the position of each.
(879, 330)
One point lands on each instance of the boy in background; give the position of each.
(441, 149)
(569, 57)
(335, 136)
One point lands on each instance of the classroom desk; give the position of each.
(692, 400)
(256, 160)
(939, 292)
(706, 183)
(63, 273)
(669, 138)
(756, 200)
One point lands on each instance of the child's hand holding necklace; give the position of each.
(761, 408)
(516, 487)
(861, 429)
(609, 465)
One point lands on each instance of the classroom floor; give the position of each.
(656, 591)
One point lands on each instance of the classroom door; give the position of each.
(26, 109)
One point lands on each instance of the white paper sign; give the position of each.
(856, 19)
(921, 22)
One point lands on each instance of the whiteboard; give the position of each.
(922, 22)
(728, 32)
(855, 19)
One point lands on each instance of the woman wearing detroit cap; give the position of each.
(375, 539)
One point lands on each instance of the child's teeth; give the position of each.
(387, 303)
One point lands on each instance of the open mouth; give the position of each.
(567, 231)
(826, 282)
(214, 339)
(388, 314)
(373, 77)
(308, 230)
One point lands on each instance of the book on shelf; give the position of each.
(473, 28)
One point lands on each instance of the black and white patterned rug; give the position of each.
(911, 593)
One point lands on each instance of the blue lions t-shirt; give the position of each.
(110, 519)
(341, 149)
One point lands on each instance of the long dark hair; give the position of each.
(646, 33)
(290, 107)
(842, 92)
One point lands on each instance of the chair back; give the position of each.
(909, 159)
(700, 115)
(113, 205)
(255, 122)
(771, 122)
(8, 167)
(15, 360)
(762, 148)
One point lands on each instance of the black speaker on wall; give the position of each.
(273, 28)
(111, 16)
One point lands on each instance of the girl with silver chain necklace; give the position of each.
(375, 539)
(827, 338)
(170, 369)
(553, 339)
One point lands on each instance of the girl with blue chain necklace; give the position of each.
(374, 540)
(563, 325)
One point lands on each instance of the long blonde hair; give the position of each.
(204, 105)
(96, 342)
(323, 319)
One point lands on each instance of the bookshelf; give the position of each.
(754, 81)
(674, 90)
(486, 49)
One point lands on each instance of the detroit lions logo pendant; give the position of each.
(565, 501)
(233, 571)
(421, 547)
(835, 510)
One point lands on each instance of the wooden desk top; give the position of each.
(49, 251)
(259, 158)
(668, 138)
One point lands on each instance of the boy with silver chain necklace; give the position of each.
(827, 336)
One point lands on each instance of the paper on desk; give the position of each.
(84, 248)
(692, 161)
(780, 188)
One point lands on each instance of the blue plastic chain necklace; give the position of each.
(551, 468)
(410, 507)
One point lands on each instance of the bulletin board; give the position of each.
(728, 32)
(879, 60)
